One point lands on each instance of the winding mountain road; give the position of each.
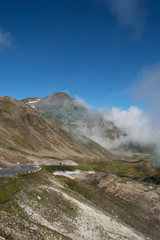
(15, 170)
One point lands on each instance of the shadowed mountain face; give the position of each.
(24, 131)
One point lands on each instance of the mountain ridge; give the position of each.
(76, 119)
(25, 133)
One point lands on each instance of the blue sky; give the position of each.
(96, 49)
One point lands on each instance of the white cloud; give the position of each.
(5, 39)
(134, 123)
(147, 90)
(130, 13)
(138, 128)
(135, 127)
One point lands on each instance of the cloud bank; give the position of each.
(137, 127)
(134, 123)
(140, 128)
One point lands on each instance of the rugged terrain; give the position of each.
(86, 125)
(86, 201)
(25, 135)
(28, 137)
(80, 190)
(73, 117)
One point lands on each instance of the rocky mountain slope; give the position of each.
(82, 202)
(85, 192)
(85, 125)
(76, 119)
(25, 134)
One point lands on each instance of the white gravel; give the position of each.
(93, 224)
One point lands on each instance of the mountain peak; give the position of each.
(62, 96)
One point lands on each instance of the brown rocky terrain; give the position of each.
(24, 132)
(81, 202)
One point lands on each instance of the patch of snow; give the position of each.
(31, 102)
(91, 172)
(67, 174)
